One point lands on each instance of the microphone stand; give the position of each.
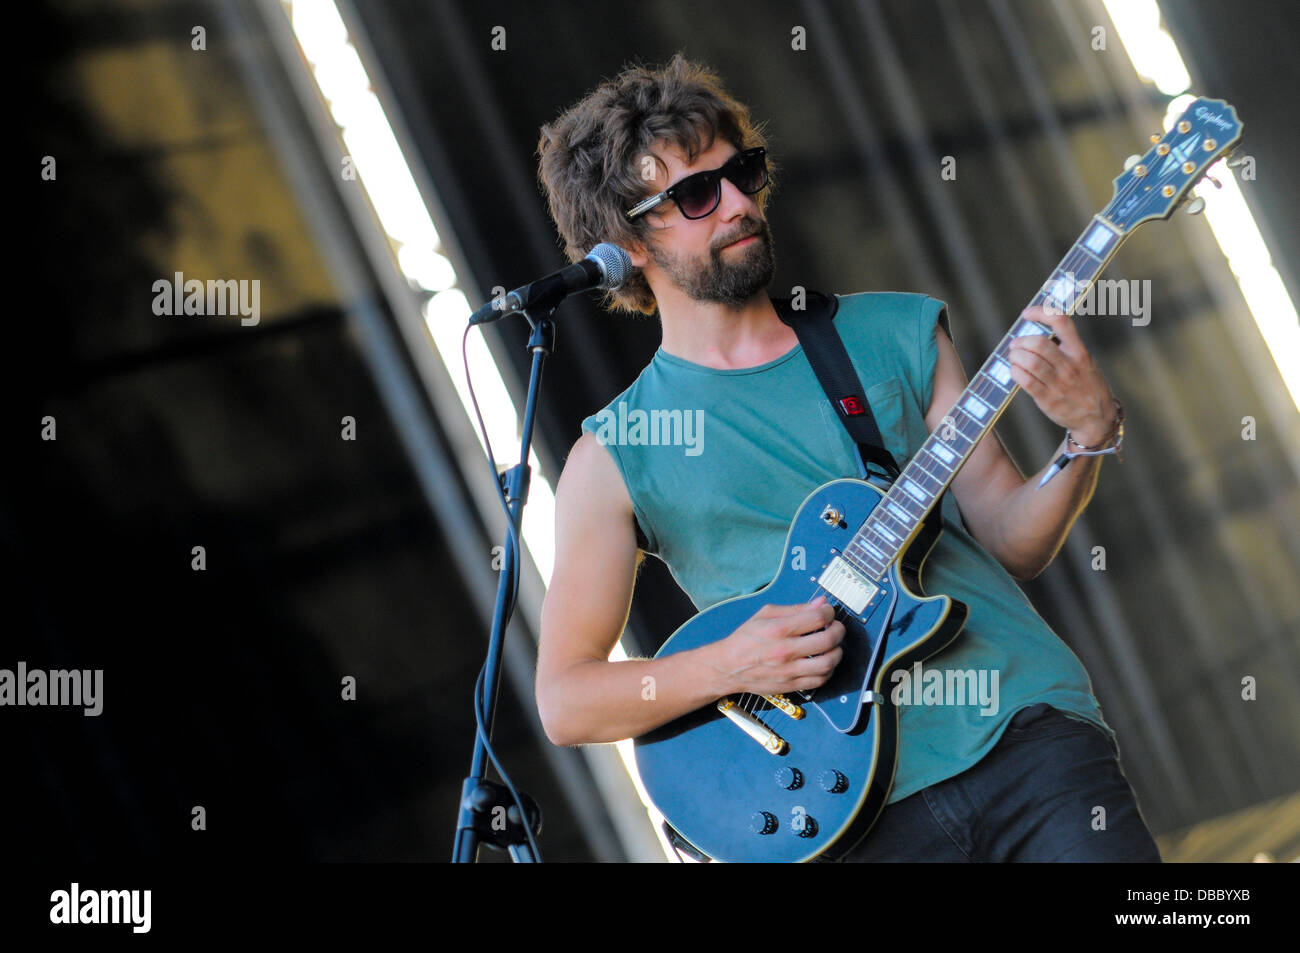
(488, 812)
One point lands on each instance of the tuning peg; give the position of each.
(1155, 137)
(1217, 183)
(1235, 161)
(1196, 206)
(1131, 161)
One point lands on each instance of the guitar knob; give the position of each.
(832, 781)
(789, 778)
(807, 827)
(762, 822)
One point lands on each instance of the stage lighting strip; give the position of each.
(382, 169)
(1156, 59)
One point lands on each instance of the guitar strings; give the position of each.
(1073, 260)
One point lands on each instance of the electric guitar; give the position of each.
(793, 778)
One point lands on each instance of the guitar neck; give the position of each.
(920, 485)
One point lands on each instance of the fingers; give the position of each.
(1027, 382)
(813, 672)
(823, 640)
(802, 643)
(1068, 341)
(813, 625)
(798, 619)
(772, 611)
(1034, 356)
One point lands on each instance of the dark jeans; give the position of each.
(1034, 797)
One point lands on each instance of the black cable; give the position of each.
(480, 686)
(496, 477)
(479, 716)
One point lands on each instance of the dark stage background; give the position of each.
(371, 558)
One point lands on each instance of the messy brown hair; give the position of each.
(590, 156)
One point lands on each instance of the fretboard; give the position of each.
(922, 482)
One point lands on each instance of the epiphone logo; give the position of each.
(1213, 118)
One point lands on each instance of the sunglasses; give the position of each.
(698, 194)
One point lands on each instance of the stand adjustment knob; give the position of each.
(807, 827)
(832, 781)
(789, 778)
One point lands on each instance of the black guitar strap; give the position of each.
(814, 325)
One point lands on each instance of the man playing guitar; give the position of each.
(664, 163)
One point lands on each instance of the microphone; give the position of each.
(606, 266)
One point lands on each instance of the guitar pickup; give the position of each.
(751, 726)
(847, 585)
(781, 703)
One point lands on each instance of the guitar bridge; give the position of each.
(769, 739)
(781, 703)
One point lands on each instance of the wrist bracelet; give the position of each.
(1061, 462)
(1116, 431)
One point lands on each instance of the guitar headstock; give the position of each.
(1153, 187)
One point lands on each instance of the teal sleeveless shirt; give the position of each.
(716, 463)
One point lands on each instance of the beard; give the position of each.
(732, 282)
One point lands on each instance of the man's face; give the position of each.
(726, 257)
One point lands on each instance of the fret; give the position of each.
(864, 560)
(961, 409)
(1063, 291)
(1001, 371)
(904, 502)
(977, 408)
(1024, 328)
(928, 482)
(875, 552)
(883, 518)
(893, 509)
(870, 566)
(856, 557)
(933, 460)
(910, 486)
(933, 472)
(1087, 251)
(941, 455)
(945, 456)
(953, 434)
(900, 528)
(1099, 239)
(985, 381)
(862, 547)
(992, 394)
(879, 557)
(923, 478)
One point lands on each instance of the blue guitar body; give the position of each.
(725, 792)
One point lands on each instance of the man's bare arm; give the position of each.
(582, 697)
(1022, 526)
